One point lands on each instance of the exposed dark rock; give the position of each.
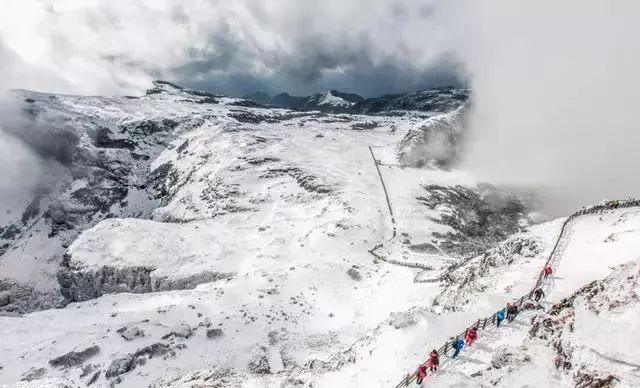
(154, 350)
(361, 126)
(480, 217)
(94, 378)
(121, 366)
(252, 118)
(354, 274)
(585, 379)
(180, 331)
(146, 128)
(32, 210)
(307, 181)
(80, 284)
(164, 179)
(104, 140)
(247, 104)
(100, 198)
(33, 374)
(435, 143)
(20, 298)
(260, 365)
(214, 333)
(74, 358)
(424, 248)
(131, 333)
(261, 160)
(432, 100)
(11, 232)
(182, 147)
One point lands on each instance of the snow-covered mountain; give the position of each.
(331, 101)
(191, 239)
(437, 100)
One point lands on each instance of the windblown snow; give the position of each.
(199, 240)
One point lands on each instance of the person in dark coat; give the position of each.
(434, 360)
(538, 294)
(512, 311)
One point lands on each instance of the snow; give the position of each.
(290, 214)
(327, 98)
(598, 244)
(174, 251)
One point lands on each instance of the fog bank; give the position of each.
(554, 97)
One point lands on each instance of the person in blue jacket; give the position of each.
(500, 315)
(457, 344)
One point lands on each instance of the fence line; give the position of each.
(386, 193)
(481, 323)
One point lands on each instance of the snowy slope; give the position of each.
(255, 221)
(239, 255)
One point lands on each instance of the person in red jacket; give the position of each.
(547, 271)
(434, 360)
(472, 336)
(422, 373)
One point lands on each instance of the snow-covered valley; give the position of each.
(197, 240)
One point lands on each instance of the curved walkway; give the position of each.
(488, 323)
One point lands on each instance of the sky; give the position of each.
(234, 47)
(553, 83)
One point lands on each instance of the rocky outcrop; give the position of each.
(130, 333)
(476, 277)
(479, 216)
(17, 298)
(129, 362)
(74, 358)
(436, 142)
(79, 283)
(307, 181)
(121, 366)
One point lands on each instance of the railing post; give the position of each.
(478, 324)
(484, 324)
(406, 381)
(446, 348)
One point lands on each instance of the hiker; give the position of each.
(538, 294)
(558, 361)
(500, 317)
(457, 344)
(472, 336)
(422, 373)
(512, 311)
(547, 271)
(434, 360)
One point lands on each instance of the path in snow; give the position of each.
(570, 273)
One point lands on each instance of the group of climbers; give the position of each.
(471, 335)
(432, 364)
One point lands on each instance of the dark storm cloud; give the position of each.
(370, 46)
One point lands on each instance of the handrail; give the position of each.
(411, 377)
(386, 194)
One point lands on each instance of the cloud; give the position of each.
(554, 96)
(97, 47)
(553, 83)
